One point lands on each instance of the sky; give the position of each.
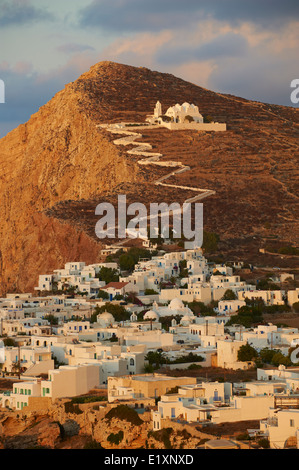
(246, 48)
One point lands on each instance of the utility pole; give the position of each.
(19, 361)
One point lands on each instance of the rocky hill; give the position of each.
(59, 165)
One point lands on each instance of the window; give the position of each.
(292, 423)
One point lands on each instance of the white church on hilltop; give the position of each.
(180, 117)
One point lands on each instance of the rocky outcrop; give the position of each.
(29, 432)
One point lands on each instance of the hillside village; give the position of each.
(178, 340)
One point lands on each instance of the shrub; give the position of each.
(115, 438)
(243, 437)
(189, 358)
(150, 292)
(163, 435)
(93, 445)
(124, 412)
(194, 367)
(184, 434)
(210, 242)
(70, 407)
(88, 399)
(264, 443)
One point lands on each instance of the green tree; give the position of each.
(247, 316)
(51, 319)
(199, 308)
(280, 359)
(210, 242)
(229, 295)
(266, 284)
(156, 359)
(103, 295)
(247, 353)
(108, 275)
(183, 269)
(118, 311)
(267, 354)
(126, 262)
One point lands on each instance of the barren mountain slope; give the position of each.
(60, 156)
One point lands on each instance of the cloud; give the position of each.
(195, 72)
(27, 90)
(256, 77)
(20, 12)
(73, 48)
(156, 15)
(221, 47)
(139, 50)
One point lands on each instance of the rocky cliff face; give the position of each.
(57, 155)
(59, 158)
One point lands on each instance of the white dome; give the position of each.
(188, 312)
(106, 316)
(186, 318)
(151, 315)
(176, 304)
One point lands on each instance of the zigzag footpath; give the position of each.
(151, 158)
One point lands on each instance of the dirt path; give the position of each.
(151, 158)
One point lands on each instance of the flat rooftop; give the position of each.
(157, 379)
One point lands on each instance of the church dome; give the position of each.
(106, 317)
(151, 315)
(186, 318)
(176, 304)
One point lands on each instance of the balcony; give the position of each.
(272, 422)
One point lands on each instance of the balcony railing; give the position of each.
(272, 422)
